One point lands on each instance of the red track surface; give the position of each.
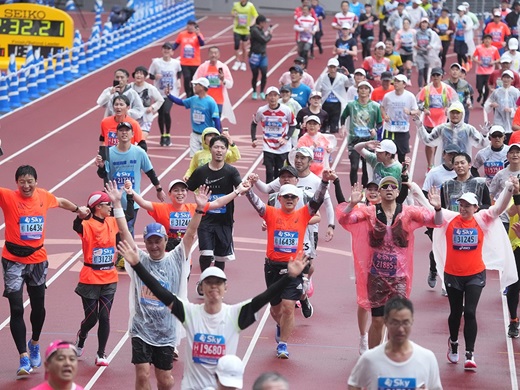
(323, 348)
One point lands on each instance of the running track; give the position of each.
(58, 135)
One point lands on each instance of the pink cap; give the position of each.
(96, 198)
(59, 344)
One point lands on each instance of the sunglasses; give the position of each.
(124, 126)
(389, 186)
(106, 204)
(289, 197)
(499, 135)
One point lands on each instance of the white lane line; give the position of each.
(510, 350)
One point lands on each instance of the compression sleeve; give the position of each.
(175, 99)
(153, 177)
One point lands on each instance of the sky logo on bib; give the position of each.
(396, 383)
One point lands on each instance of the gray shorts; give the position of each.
(460, 282)
(95, 291)
(15, 274)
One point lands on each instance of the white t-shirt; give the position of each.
(375, 370)
(493, 161)
(394, 106)
(437, 176)
(515, 60)
(168, 70)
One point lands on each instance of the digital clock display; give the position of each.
(32, 27)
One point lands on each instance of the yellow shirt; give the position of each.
(244, 16)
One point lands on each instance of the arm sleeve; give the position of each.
(153, 177)
(317, 200)
(218, 125)
(143, 145)
(130, 211)
(402, 194)
(253, 131)
(247, 313)
(340, 198)
(77, 226)
(256, 202)
(175, 100)
(201, 40)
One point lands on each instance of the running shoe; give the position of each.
(363, 344)
(34, 354)
(432, 279)
(469, 364)
(262, 95)
(167, 140)
(243, 66)
(161, 143)
(453, 351)
(307, 308)
(254, 96)
(198, 288)
(80, 344)
(277, 334)
(25, 366)
(281, 351)
(513, 329)
(101, 361)
(236, 65)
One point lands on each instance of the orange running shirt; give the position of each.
(189, 48)
(25, 220)
(486, 55)
(216, 89)
(285, 232)
(175, 221)
(464, 240)
(109, 130)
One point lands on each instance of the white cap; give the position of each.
(513, 44)
(387, 145)
(497, 13)
(315, 93)
(456, 106)
(362, 71)
(176, 181)
(366, 84)
(509, 73)
(465, 4)
(469, 197)
(418, 2)
(272, 89)
(288, 189)
(212, 271)
(496, 129)
(305, 151)
(333, 62)
(461, 8)
(230, 371)
(346, 25)
(401, 77)
(505, 59)
(380, 44)
(425, 19)
(201, 81)
(313, 118)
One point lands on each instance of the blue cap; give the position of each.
(154, 229)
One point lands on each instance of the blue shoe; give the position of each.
(277, 334)
(262, 95)
(25, 367)
(254, 96)
(282, 352)
(34, 354)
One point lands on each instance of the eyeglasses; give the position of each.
(398, 324)
(389, 186)
(500, 135)
(289, 196)
(106, 204)
(124, 126)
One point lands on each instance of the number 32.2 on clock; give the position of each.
(31, 27)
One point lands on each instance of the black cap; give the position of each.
(192, 21)
(387, 76)
(140, 69)
(290, 169)
(285, 88)
(438, 71)
(451, 148)
(300, 60)
(296, 69)
(167, 45)
(260, 19)
(126, 125)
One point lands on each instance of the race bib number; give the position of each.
(486, 61)
(103, 255)
(361, 131)
(208, 348)
(188, 52)
(396, 383)
(436, 101)
(332, 98)
(220, 210)
(166, 80)
(465, 239)
(319, 154)
(242, 20)
(285, 242)
(214, 81)
(31, 228)
(121, 177)
(305, 36)
(198, 117)
(378, 68)
(384, 264)
(112, 138)
(273, 128)
(491, 168)
(149, 300)
(179, 221)
(399, 126)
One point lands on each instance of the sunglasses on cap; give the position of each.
(289, 196)
(389, 186)
(124, 126)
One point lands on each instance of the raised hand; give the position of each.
(128, 252)
(328, 174)
(295, 267)
(128, 187)
(434, 196)
(202, 196)
(357, 194)
(112, 191)
(253, 178)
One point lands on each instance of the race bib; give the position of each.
(285, 242)
(378, 68)
(399, 126)
(121, 177)
(491, 168)
(220, 210)
(465, 239)
(273, 128)
(198, 116)
(214, 81)
(384, 264)
(396, 383)
(486, 61)
(208, 348)
(436, 101)
(188, 52)
(361, 131)
(332, 98)
(112, 138)
(31, 228)
(319, 154)
(166, 80)
(151, 301)
(103, 255)
(179, 221)
(242, 20)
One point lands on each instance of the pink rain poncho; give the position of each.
(383, 255)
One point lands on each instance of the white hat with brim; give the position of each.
(272, 89)
(305, 151)
(288, 189)
(365, 84)
(212, 271)
(388, 146)
(401, 77)
(314, 118)
(176, 181)
(230, 371)
(469, 197)
(509, 73)
(201, 81)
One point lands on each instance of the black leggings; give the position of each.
(96, 310)
(263, 79)
(464, 302)
(187, 74)
(18, 329)
(514, 289)
(354, 165)
(164, 118)
(423, 76)
(482, 87)
(444, 52)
